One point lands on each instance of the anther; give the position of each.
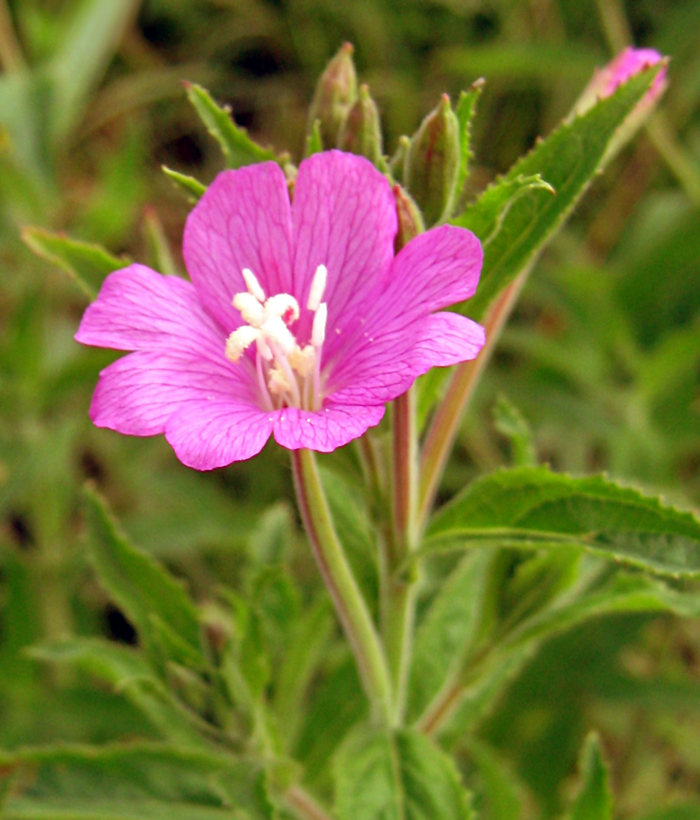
(318, 287)
(251, 310)
(239, 340)
(254, 287)
(318, 331)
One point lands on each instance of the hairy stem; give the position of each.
(349, 604)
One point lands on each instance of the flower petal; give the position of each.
(207, 435)
(325, 430)
(242, 221)
(137, 394)
(396, 339)
(139, 309)
(344, 218)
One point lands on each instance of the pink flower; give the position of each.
(626, 65)
(298, 321)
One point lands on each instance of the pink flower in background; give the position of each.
(628, 63)
(298, 322)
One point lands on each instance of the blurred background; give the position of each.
(601, 357)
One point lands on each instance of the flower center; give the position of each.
(288, 373)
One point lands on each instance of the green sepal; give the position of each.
(191, 187)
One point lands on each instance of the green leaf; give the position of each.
(465, 110)
(239, 149)
(142, 588)
(500, 787)
(533, 507)
(568, 159)
(86, 49)
(87, 263)
(511, 423)
(399, 776)
(133, 782)
(128, 672)
(488, 214)
(314, 141)
(447, 631)
(193, 188)
(594, 801)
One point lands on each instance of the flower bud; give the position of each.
(336, 91)
(432, 164)
(361, 131)
(397, 163)
(409, 218)
(626, 65)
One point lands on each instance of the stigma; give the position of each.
(288, 372)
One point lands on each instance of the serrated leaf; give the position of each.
(86, 262)
(134, 782)
(534, 507)
(594, 801)
(488, 214)
(465, 110)
(193, 188)
(141, 587)
(239, 149)
(128, 672)
(447, 631)
(568, 159)
(397, 776)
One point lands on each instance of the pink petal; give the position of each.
(445, 339)
(344, 218)
(242, 221)
(325, 430)
(138, 309)
(137, 394)
(207, 435)
(396, 336)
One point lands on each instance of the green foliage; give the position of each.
(533, 507)
(399, 775)
(594, 801)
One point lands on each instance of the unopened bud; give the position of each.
(361, 132)
(336, 91)
(409, 218)
(432, 164)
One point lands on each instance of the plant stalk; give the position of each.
(335, 570)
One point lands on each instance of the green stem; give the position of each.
(304, 805)
(399, 585)
(349, 604)
(445, 424)
(11, 56)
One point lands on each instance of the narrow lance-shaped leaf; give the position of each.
(397, 776)
(87, 264)
(568, 160)
(466, 110)
(534, 507)
(594, 801)
(191, 187)
(239, 149)
(133, 782)
(141, 587)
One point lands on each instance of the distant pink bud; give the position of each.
(628, 63)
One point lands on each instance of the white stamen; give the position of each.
(239, 340)
(318, 331)
(278, 381)
(252, 311)
(303, 360)
(275, 330)
(253, 285)
(284, 306)
(318, 287)
(264, 348)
